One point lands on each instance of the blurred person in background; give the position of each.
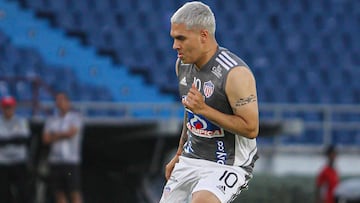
(327, 180)
(14, 140)
(63, 132)
(217, 149)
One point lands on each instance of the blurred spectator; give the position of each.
(14, 139)
(63, 132)
(327, 180)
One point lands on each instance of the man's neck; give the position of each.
(63, 113)
(208, 54)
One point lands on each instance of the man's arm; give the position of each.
(50, 137)
(170, 166)
(184, 135)
(241, 92)
(183, 138)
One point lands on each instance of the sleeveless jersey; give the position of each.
(206, 140)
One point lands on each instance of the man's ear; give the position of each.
(204, 34)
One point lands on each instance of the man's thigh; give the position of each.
(204, 196)
(223, 181)
(179, 187)
(191, 176)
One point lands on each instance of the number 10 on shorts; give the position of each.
(229, 178)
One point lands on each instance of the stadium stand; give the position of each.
(112, 33)
(56, 49)
(296, 58)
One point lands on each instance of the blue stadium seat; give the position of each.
(31, 63)
(109, 6)
(155, 21)
(289, 52)
(23, 91)
(312, 137)
(45, 95)
(69, 20)
(274, 7)
(4, 40)
(104, 39)
(117, 6)
(344, 137)
(348, 117)
(83, 5)
(39, 5)
(56, 6)
(263, 141)
(313, 116)
(357, 139)
(4, 88)
(24, 112)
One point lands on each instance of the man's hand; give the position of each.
(50, 137)
(194, 100)
(170, 166)
(46, 138)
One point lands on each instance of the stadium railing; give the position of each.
(328, 123)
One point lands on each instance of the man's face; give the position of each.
(62, 102)
(186, 42)
(8, 111)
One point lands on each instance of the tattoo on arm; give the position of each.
(247, 100)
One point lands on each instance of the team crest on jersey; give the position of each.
(208, 88)
(200, 126)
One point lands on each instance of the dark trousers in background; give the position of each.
(15, 184)
(65, 177)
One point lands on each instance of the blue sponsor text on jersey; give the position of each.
(200, 126)
(220, 152)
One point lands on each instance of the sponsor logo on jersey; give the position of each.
(188, 145)
(220, 152)
(208, 88)
(217, 71)
(200, 126)
(183, 81)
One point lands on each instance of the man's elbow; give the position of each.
(253, 132)
(253, 135)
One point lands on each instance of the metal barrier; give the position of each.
(329, 120)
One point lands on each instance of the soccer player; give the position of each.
(217, 149)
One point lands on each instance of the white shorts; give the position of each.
(192, 175)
